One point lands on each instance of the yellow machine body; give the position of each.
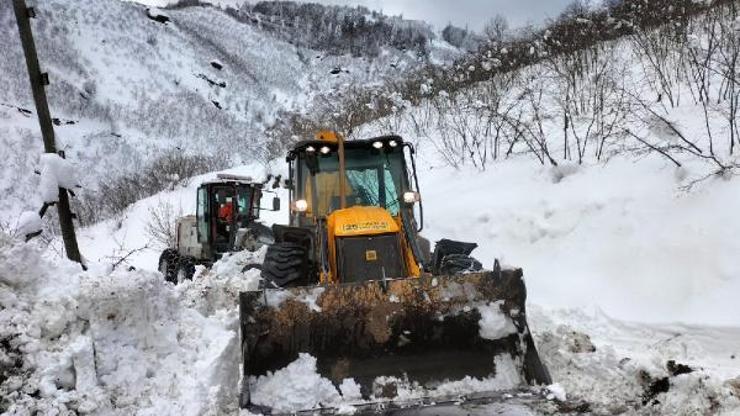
(361, 221)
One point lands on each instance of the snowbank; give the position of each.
(119, 342)
(624, 368)
(110, 342)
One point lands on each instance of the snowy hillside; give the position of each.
(126, 88)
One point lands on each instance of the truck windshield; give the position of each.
(374, 178)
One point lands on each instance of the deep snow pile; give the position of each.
(629, 368)
(218, 289)
(107, 342)
(125, 342)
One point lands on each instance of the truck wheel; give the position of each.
(185, 269)
(285, 263)
(168, 261)
(459, 263)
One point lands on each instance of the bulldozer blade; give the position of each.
(426, 330)
(489, 402)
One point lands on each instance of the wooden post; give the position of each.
(23, 14)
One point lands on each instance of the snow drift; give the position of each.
(107, 342)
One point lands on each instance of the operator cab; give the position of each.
(355, 207)
(224, 206)
(376, 175)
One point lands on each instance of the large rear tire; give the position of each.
(185, 269)
(168, 262)
(285, 264)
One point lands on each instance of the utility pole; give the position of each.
(23, 15)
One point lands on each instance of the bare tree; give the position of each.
(161, 225)
(496, 29)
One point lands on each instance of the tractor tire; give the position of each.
(168, 262)
(458, 264)
(285, 264)
(185, 269)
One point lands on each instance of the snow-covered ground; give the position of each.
(126, 342)
(621, 279)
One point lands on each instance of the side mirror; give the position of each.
(276, 204)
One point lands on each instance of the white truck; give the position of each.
(226, 221)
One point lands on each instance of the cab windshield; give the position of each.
(373, 178)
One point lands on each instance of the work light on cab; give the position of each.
(301, 205)
(411, 197)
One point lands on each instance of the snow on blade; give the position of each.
(296, 387)
(494, 324)
(557, 392)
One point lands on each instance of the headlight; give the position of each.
(392, 143)
(325, 150)
(301, 205)
(378, 145)
(411, 197)
(310, 149)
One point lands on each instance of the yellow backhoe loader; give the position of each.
(383, 306)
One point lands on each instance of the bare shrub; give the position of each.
(161, 225)
(116, 194)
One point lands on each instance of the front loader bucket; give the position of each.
(426, 330)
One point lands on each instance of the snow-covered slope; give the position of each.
(127, 88)
(623, 237)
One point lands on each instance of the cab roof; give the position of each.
(229, 179)
(349, 144)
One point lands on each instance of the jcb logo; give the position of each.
(366, 226)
